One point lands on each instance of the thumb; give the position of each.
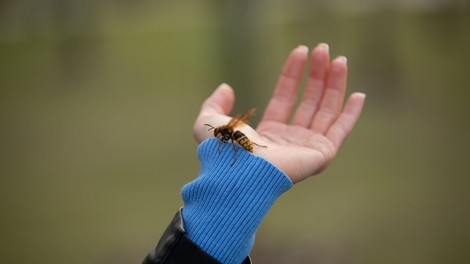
(220, 102)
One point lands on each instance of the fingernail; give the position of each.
(222, 85)
(302, 48)
(343, 59)
(324, 46)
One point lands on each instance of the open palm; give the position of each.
(306, 144)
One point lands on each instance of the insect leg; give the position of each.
(234, 153)
(259, 145)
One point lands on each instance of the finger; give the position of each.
(319, 62)
(346, 120)
(333, 96)
(221, 101)
(285, 94)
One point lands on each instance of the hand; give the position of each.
(308, 143)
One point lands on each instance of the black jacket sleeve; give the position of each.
(175, 247)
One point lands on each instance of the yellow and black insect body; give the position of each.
(243, 140)
(226, 133)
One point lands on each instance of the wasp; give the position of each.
(227, 133)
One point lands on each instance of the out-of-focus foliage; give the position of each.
(97, 100)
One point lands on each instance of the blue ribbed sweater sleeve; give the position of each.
(225, 204)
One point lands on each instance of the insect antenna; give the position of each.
(211, 127)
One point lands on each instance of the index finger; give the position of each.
(283, 100)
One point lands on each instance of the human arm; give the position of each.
(302, 147)
(227, 203)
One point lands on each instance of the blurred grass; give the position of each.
(96, 117)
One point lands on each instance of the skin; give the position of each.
(301, 140)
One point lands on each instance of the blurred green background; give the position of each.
(98, 98)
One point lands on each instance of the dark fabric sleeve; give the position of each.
(175, 247)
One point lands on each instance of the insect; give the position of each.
(227, 132)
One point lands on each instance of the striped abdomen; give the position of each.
(243, 141)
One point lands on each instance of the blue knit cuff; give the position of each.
(224, 206)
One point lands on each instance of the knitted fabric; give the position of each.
(225, 204)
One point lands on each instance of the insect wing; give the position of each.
(240, 120)
(233, 121)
